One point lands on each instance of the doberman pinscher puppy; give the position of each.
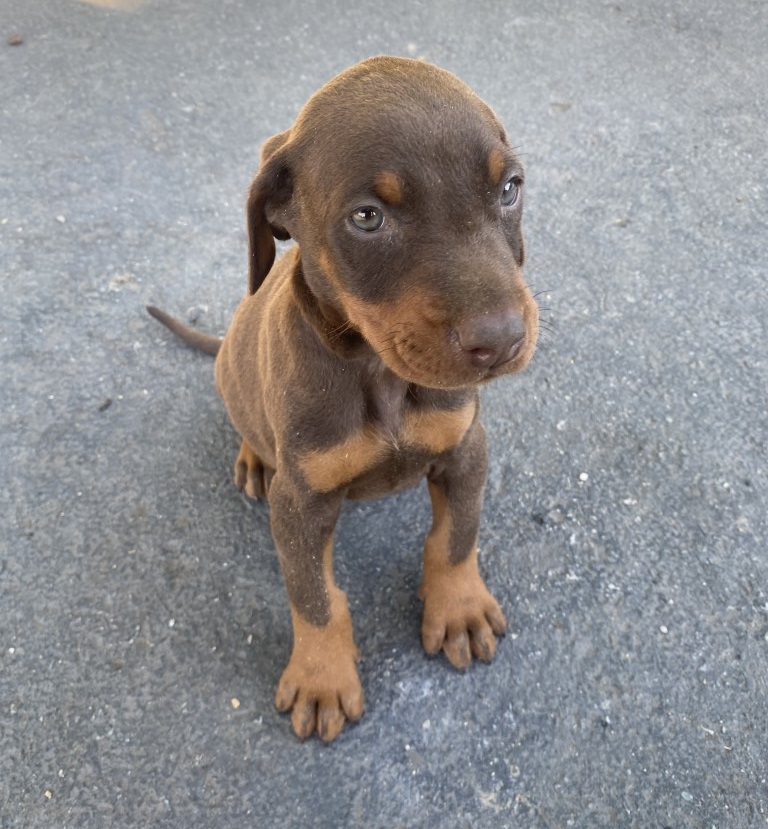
(352, 367)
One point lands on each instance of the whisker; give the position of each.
(385, 350)
(342, 329)
(545, 347)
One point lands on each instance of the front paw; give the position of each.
(461, 617)
(321, 695)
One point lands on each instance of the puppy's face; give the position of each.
(406, 198)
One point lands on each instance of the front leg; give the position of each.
(461, 617)
(320, 685)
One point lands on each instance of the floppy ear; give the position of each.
(271, 188)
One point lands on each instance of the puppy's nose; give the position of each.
(492, 338)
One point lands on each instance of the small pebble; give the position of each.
(687, 796)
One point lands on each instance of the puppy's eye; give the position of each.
(368, 218)
(511, 192)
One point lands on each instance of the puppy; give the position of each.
(351, 369)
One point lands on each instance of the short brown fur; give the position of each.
(351, 369)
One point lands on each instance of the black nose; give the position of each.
(492, 338)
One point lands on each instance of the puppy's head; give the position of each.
(405, 196)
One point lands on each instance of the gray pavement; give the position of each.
(143, 625)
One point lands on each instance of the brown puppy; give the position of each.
(351, 369)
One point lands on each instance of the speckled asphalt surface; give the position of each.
(143, 625)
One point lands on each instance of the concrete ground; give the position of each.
(143, 625)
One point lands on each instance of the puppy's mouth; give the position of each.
(441, 362)
(419, 343)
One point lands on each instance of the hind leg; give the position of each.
(250, 473)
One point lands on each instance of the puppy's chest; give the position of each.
(390, 450)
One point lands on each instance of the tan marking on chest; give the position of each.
(436, 430)
(328, 469)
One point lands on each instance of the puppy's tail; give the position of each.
(197, 339)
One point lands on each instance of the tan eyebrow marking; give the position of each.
(497, 165)
(389, 187)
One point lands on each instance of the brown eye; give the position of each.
(368, 218)
(511, 192)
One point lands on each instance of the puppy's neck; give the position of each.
(330, 324)
(385, 397)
